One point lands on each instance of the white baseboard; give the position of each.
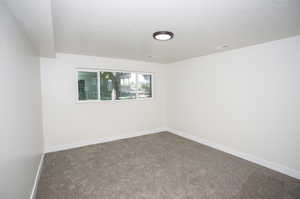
(271, 165)
(37, 177)
(101, 140)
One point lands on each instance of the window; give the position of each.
(113, 85)
(107, 86)
(126, 86)
(117, 85)
(144, 85)
(87, 86)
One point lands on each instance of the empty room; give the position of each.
(161, 99)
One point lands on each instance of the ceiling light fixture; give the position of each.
(163, 35)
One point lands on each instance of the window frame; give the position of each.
(98, 70)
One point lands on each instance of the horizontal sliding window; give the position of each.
(111, 85)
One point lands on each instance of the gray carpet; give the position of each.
(158, 166)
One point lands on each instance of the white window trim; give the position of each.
(98, 85)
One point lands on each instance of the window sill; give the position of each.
(113, 101)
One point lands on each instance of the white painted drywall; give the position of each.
(67, 123)
(246, 99)
(21, 142)
(35, 16)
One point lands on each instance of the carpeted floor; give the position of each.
(158, 166)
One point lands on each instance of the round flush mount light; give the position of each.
(163, 35)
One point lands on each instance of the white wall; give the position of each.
(21, 142)
(246, 99)
(67, 123)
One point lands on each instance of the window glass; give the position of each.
(87, 86)
(125, 86)
(144, 85)
(107, 86)
(117, 85)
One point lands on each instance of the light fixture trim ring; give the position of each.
(163, 33)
